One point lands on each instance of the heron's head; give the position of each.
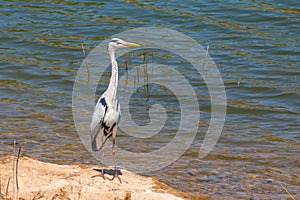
(116, 43)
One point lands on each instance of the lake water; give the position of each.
(255, 45)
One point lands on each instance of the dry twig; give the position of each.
(13, 169)
(6, 193)
(206, 54)
(17, 162)
(87, 67)
(284, 188)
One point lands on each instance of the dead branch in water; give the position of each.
(284, 188)
(86, 63)
(206, 54)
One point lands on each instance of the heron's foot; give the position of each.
(116, 176)
(100, 175)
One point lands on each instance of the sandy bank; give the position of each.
(39, 180)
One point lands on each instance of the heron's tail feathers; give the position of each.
(97, 143)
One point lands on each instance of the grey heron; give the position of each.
(107, 112)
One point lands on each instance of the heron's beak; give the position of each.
(129, 44)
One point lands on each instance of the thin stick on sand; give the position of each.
(6, 193)
(17, 162)
(13, 169)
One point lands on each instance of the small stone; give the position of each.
(206, 178)
(269, 180)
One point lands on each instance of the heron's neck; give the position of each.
(113, 84)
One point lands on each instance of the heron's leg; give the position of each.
(102, 158)
(102, 149)
(114, 152)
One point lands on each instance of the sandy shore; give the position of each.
(40, 180)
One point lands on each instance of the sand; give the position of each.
(40, 180)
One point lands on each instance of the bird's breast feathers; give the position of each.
(112, 115)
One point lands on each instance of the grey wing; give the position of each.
(96, 127)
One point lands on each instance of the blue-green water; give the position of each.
(255, 45)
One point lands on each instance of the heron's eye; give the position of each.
(114, 41)
(118, 43)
